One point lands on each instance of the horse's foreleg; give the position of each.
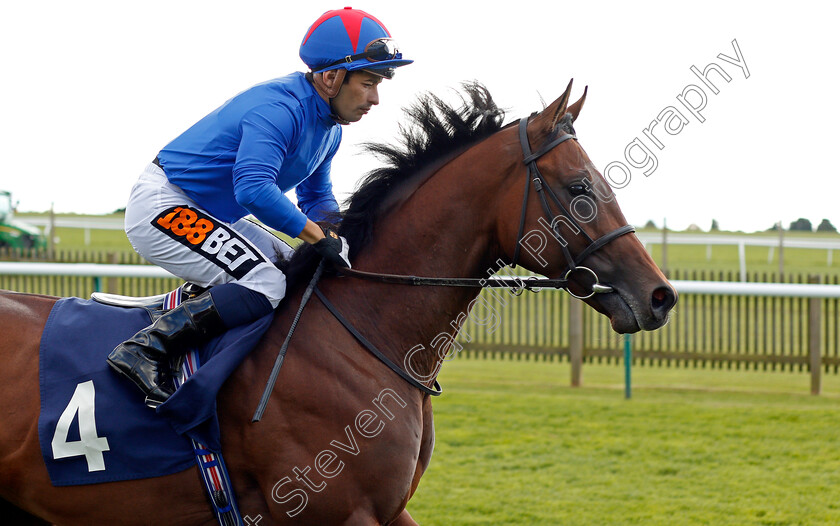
(404, 519)
(426, 447)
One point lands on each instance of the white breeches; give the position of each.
(170, 230)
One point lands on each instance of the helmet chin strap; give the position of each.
(336, 117)
(331, 89)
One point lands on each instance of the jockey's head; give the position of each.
(349, 40)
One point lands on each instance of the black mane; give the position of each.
(436, 131)
(565, 124)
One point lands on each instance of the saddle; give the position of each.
(153, 304)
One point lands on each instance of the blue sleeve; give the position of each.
(315, 193)
(267, 132)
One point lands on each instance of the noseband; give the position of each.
(543, 189)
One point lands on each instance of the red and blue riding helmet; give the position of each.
(350, 39)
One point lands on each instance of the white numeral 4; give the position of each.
(90, 445)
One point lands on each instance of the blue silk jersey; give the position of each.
(246, 154)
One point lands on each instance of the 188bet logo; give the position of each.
(185, 222)
(211, 239)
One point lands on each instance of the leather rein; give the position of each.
(519, 284)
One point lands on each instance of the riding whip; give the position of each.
(269, 387)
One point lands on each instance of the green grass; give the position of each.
(516, 445)
(99, 240)
(725, 258)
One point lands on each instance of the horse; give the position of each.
(345, 440)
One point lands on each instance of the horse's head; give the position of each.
(568, 218)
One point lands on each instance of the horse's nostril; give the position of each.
(662, 300)
(660, 294)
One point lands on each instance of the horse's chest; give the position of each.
(362, 459)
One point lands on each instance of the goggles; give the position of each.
(377, 51)
(386, 73)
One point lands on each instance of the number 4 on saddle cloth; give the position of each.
(94, 427)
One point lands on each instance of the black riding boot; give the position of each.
(144, 359)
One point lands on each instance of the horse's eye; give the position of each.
(578, 189)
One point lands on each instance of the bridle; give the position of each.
(517, 284)
(544, 191)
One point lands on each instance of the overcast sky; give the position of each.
(90, 91)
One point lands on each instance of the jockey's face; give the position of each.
(357, 95)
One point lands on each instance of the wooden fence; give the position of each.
(81, 286)
(71, 256)
(706, 330)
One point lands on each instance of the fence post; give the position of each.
(781, 252)
(51, 238)
(814, 323)
(576, 339)
(665, 246)
(742, 260)
(111, 284)
(628, 364)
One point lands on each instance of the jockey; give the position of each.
(186, 212)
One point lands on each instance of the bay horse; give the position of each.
(344, 440)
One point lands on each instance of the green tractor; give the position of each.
(15, 233)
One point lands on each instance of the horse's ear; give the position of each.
(574, 109)
(556, 109)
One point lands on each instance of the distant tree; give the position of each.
(801, 224)
(715, 227)
(826, 226)
(650, 224)
(119, 211)
(774, 228)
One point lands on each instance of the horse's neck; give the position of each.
(443, 230)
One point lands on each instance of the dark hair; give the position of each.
(565, 124)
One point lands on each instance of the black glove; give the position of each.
(334, 249)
